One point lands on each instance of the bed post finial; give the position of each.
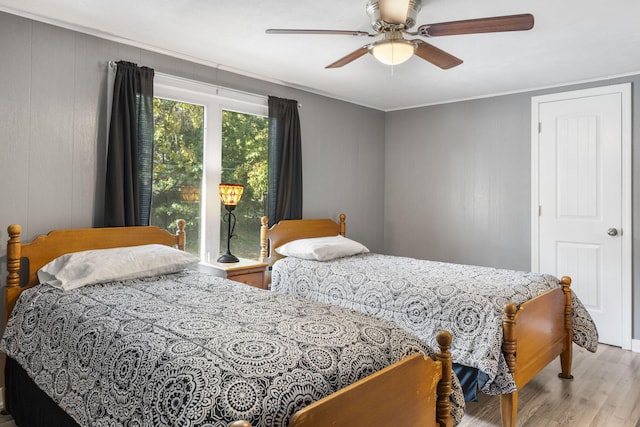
(264, 227)
(180, 233)
(13, 255)
(13, 268)
(443, 406)
(343, 226)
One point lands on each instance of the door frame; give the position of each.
(627, 233)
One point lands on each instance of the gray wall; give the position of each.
(53, 133)
(458, 182)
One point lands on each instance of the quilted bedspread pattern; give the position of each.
(190, 349)
(426, 296)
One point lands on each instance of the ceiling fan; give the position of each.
(393, 18)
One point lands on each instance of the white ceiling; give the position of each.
(572, 41)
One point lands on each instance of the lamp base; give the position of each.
(228, 258)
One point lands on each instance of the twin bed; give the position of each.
(179, 347)
(174, 346)
(508, 324)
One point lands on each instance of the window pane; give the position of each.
(244, 161)
(177, 169)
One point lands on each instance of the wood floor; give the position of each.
(6, 421)
(604, 393)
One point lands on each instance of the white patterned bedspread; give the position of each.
(190, 349)
(426, 296)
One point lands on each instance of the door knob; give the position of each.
(612, 232)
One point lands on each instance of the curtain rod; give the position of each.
(217, 87)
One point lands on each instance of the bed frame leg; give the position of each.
(509, 409)
(566, 356)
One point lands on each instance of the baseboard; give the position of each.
(635, 346)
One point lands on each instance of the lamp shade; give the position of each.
(393, 51)
(230, 194)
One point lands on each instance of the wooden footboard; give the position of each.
(535, 334)
(412, 392)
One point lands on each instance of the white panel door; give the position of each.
(581, 220)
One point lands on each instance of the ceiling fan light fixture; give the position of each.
(393, 52)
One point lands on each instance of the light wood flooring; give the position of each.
(605, 392)
(6, 421)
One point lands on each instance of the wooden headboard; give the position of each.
(293, 229)
(24, 260)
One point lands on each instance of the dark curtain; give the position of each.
(130, 150)
(284, 200)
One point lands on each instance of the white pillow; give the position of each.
(322, 248)
(77, 269)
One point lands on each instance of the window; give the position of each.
(177, 167)
(244, 161)
(205, 135)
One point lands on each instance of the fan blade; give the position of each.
(435, 55)
(350, 57)
(482, 25)
(324, 32)
(394, 11)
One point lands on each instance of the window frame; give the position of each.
(214, 99)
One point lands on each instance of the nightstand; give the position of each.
(245, 271)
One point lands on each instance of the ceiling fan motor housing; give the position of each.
(380, 25)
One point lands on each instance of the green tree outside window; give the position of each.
(178, 172)
(244, 161)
